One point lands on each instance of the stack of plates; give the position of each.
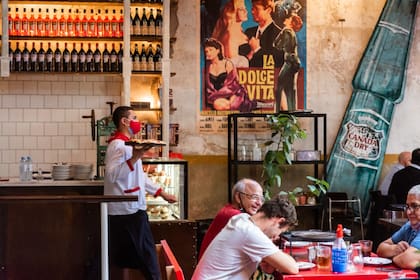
(61, 172)
(82, 171)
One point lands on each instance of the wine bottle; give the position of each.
(47, 23)
(57, 58)
(25, 24)
(120, 30)
(17, 23)
(136, 23)
(158, 58)
(32, 23)
(92, 30)
(105, 59)
(89, 59)
(113, 59)
(10, 23)
(114, 25)
(100, 24)
(97, 59)
(70, 25)
(33, 58)
(82, 59)
(120, 58)
(11, 62)
(77, 24)
(151, 24)
(107, 25)
(49, 59)
(136, 58)
(40, 24)
(143, 24)
(73, 58)
(41, 58)
(158, 23)
(150, 59)
(54, 24)
(17, 58)
(143, 58)
(131, 24)
(66, 59)
(85, 24)
(62, 25)
(25, 58)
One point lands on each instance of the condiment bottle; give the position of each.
(339, 252)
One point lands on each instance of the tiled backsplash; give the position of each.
(41, 116)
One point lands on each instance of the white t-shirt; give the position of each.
(235, 252)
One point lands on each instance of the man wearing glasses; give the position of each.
(247, 197)
(403, 246)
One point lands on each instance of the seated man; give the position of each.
(248, 240)
(247, 196)
(403, 246)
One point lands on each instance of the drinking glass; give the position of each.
(323, 257)
(366, 247)
(355, 258)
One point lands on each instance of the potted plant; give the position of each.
(285, 129)
(298, 196)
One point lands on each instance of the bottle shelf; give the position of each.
(61, 38)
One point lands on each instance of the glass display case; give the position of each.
(172, 176)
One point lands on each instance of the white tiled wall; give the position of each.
(41, 116)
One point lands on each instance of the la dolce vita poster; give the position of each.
(252, 59)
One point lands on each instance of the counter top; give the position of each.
(15, 182)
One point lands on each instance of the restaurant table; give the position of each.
(368, 272)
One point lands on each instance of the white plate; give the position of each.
(297, 244)
(376, 261)
(305, 265)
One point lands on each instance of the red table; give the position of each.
(369, 272)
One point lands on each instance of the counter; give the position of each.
(52, 229)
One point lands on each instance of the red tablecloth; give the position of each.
(369, 272)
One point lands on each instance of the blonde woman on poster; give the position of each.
(228, 31)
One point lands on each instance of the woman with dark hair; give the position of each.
(286, 41)
(222, 89)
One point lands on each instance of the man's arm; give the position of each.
(388, 249)
(282, 262)
(409, 259)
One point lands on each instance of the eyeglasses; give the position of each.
(412, 207)
(255, 197)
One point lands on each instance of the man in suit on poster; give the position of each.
(261, 37)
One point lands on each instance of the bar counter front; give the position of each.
(51, 229)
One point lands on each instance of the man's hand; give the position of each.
(168, 197)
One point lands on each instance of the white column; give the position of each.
(104, 242)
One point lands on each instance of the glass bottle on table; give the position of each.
(339, 252)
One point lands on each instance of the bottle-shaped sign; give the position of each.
(357, 155)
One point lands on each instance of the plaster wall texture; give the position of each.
(337, 35)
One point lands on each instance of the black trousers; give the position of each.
(132, 244)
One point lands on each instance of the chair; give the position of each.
(341, 210)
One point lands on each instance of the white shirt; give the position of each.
(121, 180)
(235, 252)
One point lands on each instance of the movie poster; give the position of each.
(253, 59)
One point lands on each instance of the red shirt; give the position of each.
(219, 222)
